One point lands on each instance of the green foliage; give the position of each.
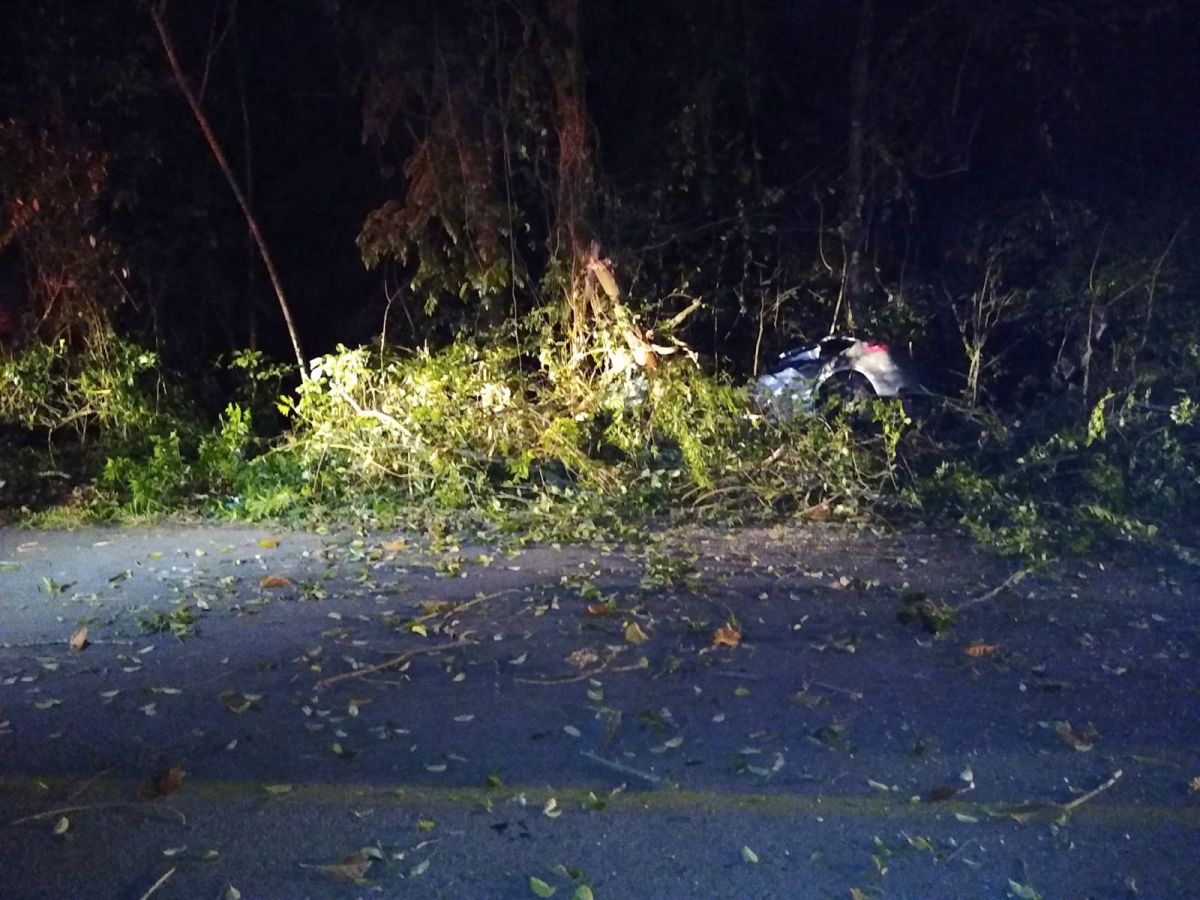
(157, 484)
(1128, 475)
(105, 385)
(180, 623)
(467, 431)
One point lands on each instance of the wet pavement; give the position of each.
(754, 713)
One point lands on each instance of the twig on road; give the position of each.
(621, 767)
(387, 664)
(88, 807)
(1011, 581)
(154, 887)
(1030, 811)
(588, 673)
(1092, 794)
(82, 789)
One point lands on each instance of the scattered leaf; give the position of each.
(1080, 740)
(583, 892)
(419, 869)
(395, 546)
(634, 633)
(277, 788)
(749, 855)
(727, 636)
(79, 640)
(1022, 891)
(274, 581)
(1194, 787)
(61, 826)
(977, 650)
(942, 793)
(268, 543)
(540, 888)
(165, 782)
(353, 868)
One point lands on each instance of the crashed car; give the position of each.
(839, 365)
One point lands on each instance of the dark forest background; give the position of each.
(1008, 190)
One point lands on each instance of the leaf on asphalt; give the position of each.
(978, 650)
(1022, 891)
(353, 868)
(268, 543)
(395, 546)
(583, 892)
(419, 869)
(727, 636)
(277, 788)
(232, 893)
(274, 581)
(61, 826)
(942, 793)
(1194, 787)
(634, 634)
(48, 704)
(550, 810)
(599, 609)
(749, 855)
(79, 640)
(342, 752)
(809, 698)
(1080, 740)
(572, 731)
(583, 657)
(165, 782)
(541, 888)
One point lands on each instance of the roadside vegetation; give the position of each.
(562, 351)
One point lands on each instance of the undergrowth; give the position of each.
(479, 437)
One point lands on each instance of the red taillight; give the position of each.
(875, 348)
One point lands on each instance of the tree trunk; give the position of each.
(574, 167)
(158, 13)
(854, 236)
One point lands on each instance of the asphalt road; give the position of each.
(465, 719)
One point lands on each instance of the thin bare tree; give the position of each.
(158, 11)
